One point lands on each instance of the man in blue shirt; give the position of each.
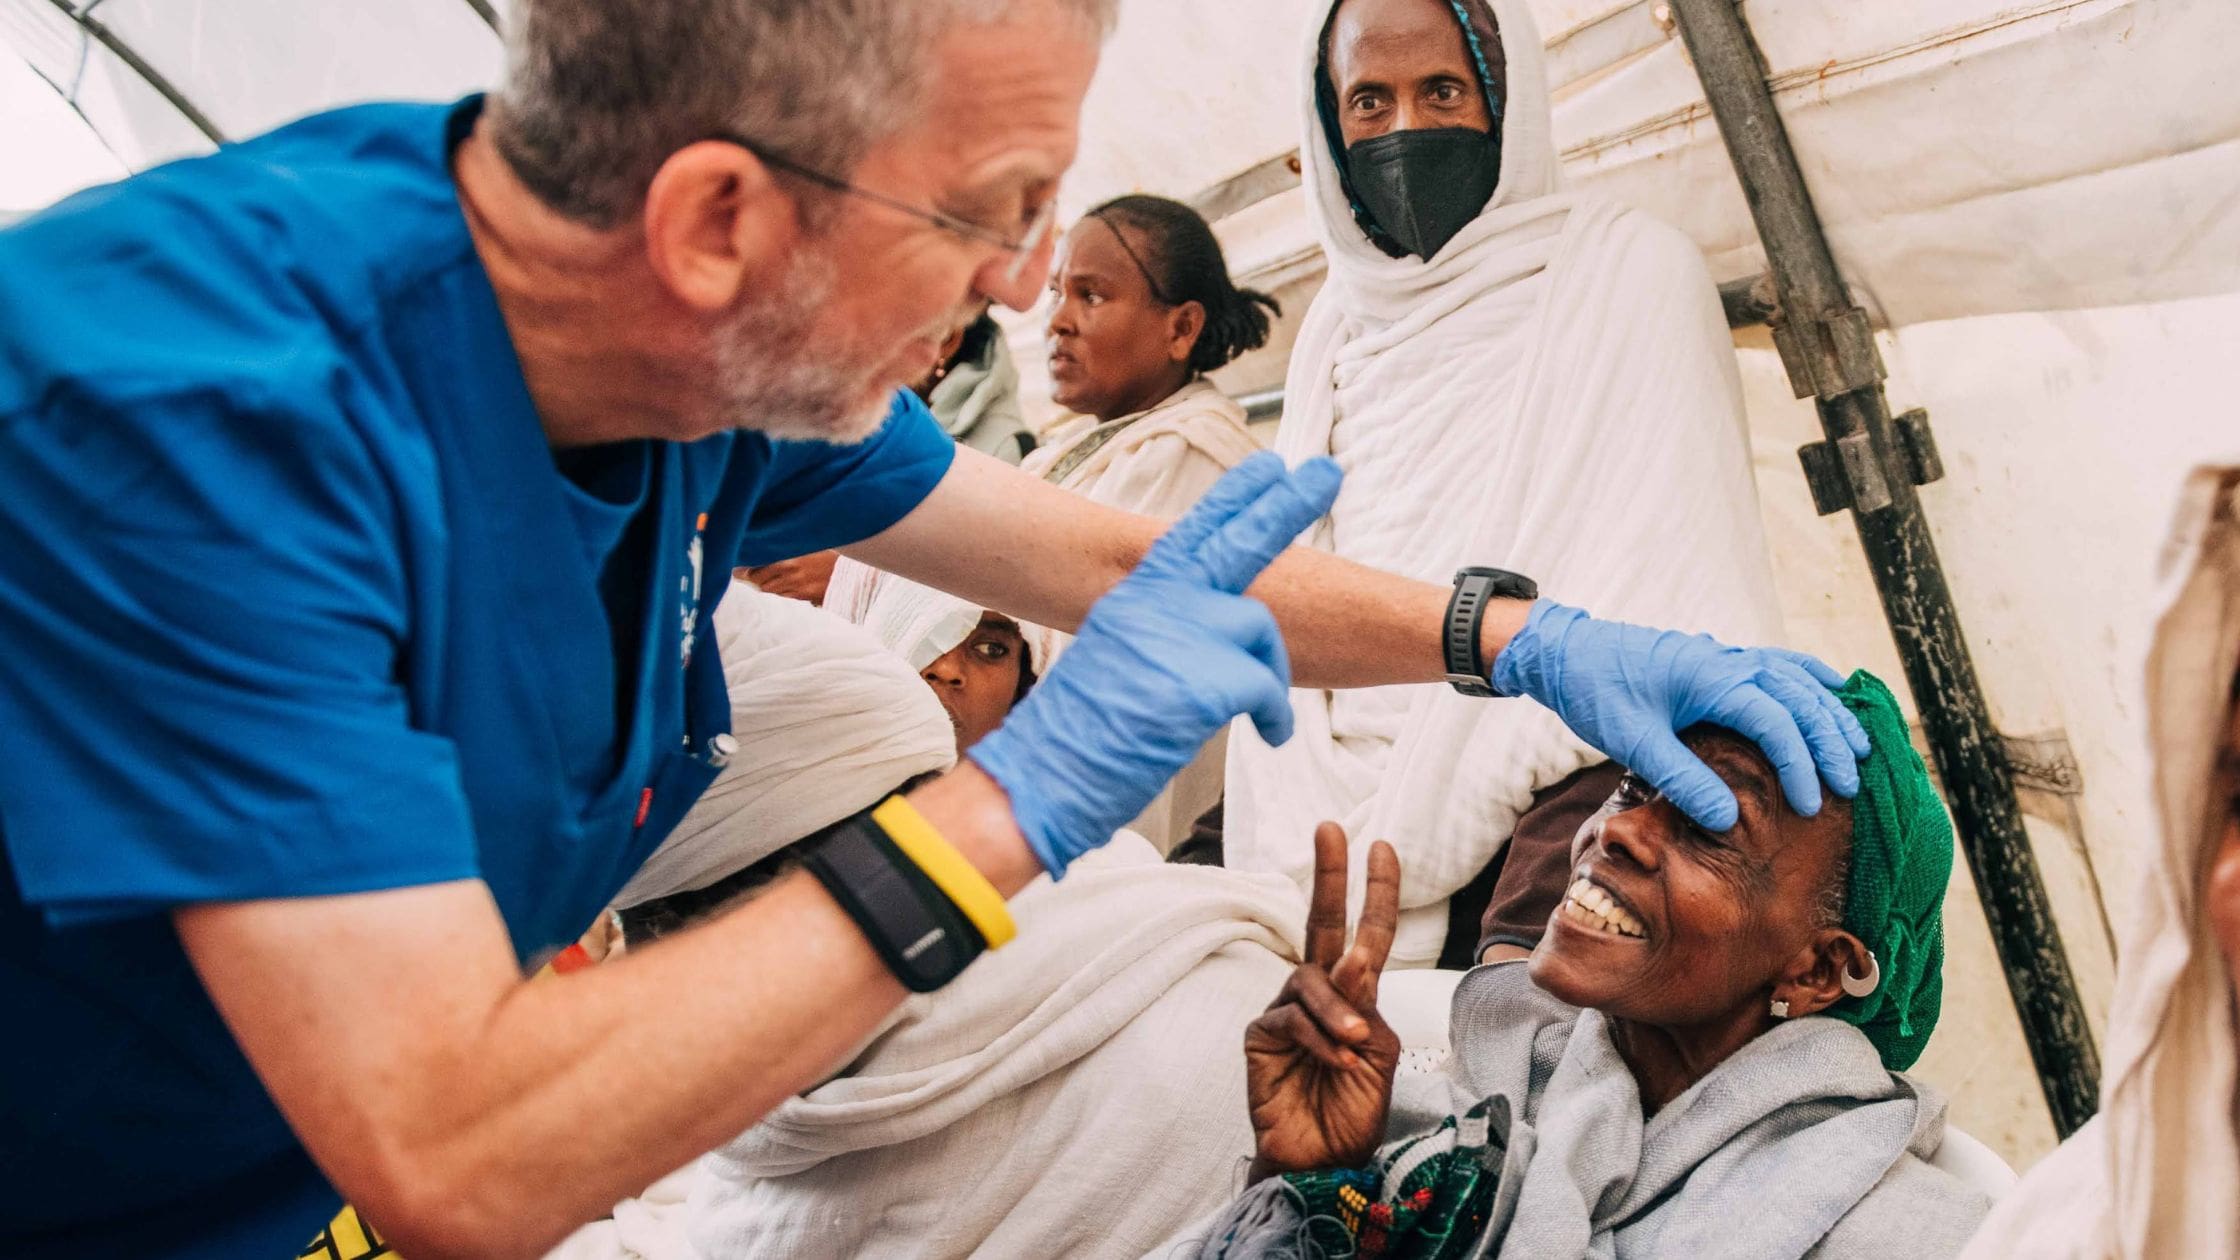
(365, 491)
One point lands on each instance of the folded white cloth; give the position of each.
(828, 721)
(1555, 393)
(1077, 1093)
(2157, 1172)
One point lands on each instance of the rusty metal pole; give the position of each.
(1870, 463)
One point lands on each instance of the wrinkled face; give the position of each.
(1113, 345)
(1672, 926)
(1402, 65)
(875, 292)
(977, 681)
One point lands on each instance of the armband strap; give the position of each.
(957, 878)
(913, 926)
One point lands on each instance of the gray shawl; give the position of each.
(1800, 1145)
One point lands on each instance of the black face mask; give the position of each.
(1422, 187)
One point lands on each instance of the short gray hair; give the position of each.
(599, 93)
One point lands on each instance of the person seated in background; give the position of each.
(2157, 1172)
(974, 393)
(1142, 309)
(1703, 1056)
(1510, 375)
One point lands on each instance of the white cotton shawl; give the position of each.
(827, 720)
(2157, 1173)
(1077, 1093)
(1554, 393)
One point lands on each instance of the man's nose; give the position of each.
(1408, 116)
(945, 672)
(1020, 291)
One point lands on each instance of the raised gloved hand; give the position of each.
(1165, 660)
(1628, 690)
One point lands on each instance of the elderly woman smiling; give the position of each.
(1702, 1058)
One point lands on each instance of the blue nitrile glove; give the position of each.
(1165, 660)
(1628, 689)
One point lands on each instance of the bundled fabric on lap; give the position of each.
(1554, 393)
(1077, 1093)
(1800, 1145)
(827, 721)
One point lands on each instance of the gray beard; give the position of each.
(777, 381)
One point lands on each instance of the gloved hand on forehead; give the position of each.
(1628, 690)
(1164, 661)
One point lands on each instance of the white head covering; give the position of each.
(1554, 393)
(828, 722)
(2157, 1173)
(1513, 238)
(914, 621)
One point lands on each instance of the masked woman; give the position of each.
(1703, 1057)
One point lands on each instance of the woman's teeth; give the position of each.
(1587, 905)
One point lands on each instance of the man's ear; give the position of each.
(1814, 980)
(715, 223)
(1184, 323)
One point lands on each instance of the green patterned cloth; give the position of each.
(1423, 1199)
(1901, 861)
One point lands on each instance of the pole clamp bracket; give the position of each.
(1844, 473)
(1829, 356)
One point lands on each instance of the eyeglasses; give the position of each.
(1022, 250)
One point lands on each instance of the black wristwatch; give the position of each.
(918, 932)
(1474, 587)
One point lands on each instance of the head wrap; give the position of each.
(1901, 861)
(1478, 31)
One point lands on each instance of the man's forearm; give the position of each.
(489, 1116)
(1348, 625)
(1015, 543)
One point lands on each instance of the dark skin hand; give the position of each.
(804, 578)
(1319, 1062)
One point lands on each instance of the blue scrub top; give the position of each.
(295, 600)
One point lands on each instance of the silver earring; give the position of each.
(1780, 1008)
(1861, 986)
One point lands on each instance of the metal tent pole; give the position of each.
(1870, 463)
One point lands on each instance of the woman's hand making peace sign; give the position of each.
(1319, 1062)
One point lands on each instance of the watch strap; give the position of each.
(917, 931)
(1474, 588)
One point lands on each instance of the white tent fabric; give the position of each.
(233, 67)
(1935, 133)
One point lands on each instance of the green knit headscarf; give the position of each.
(1901, 861)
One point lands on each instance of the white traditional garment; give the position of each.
(827, 721)
(1077, 1093)
(2157, 1173)
(1155, 462)
(1555, 393)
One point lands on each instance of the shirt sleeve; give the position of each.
(203, 606)
(820, 495)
